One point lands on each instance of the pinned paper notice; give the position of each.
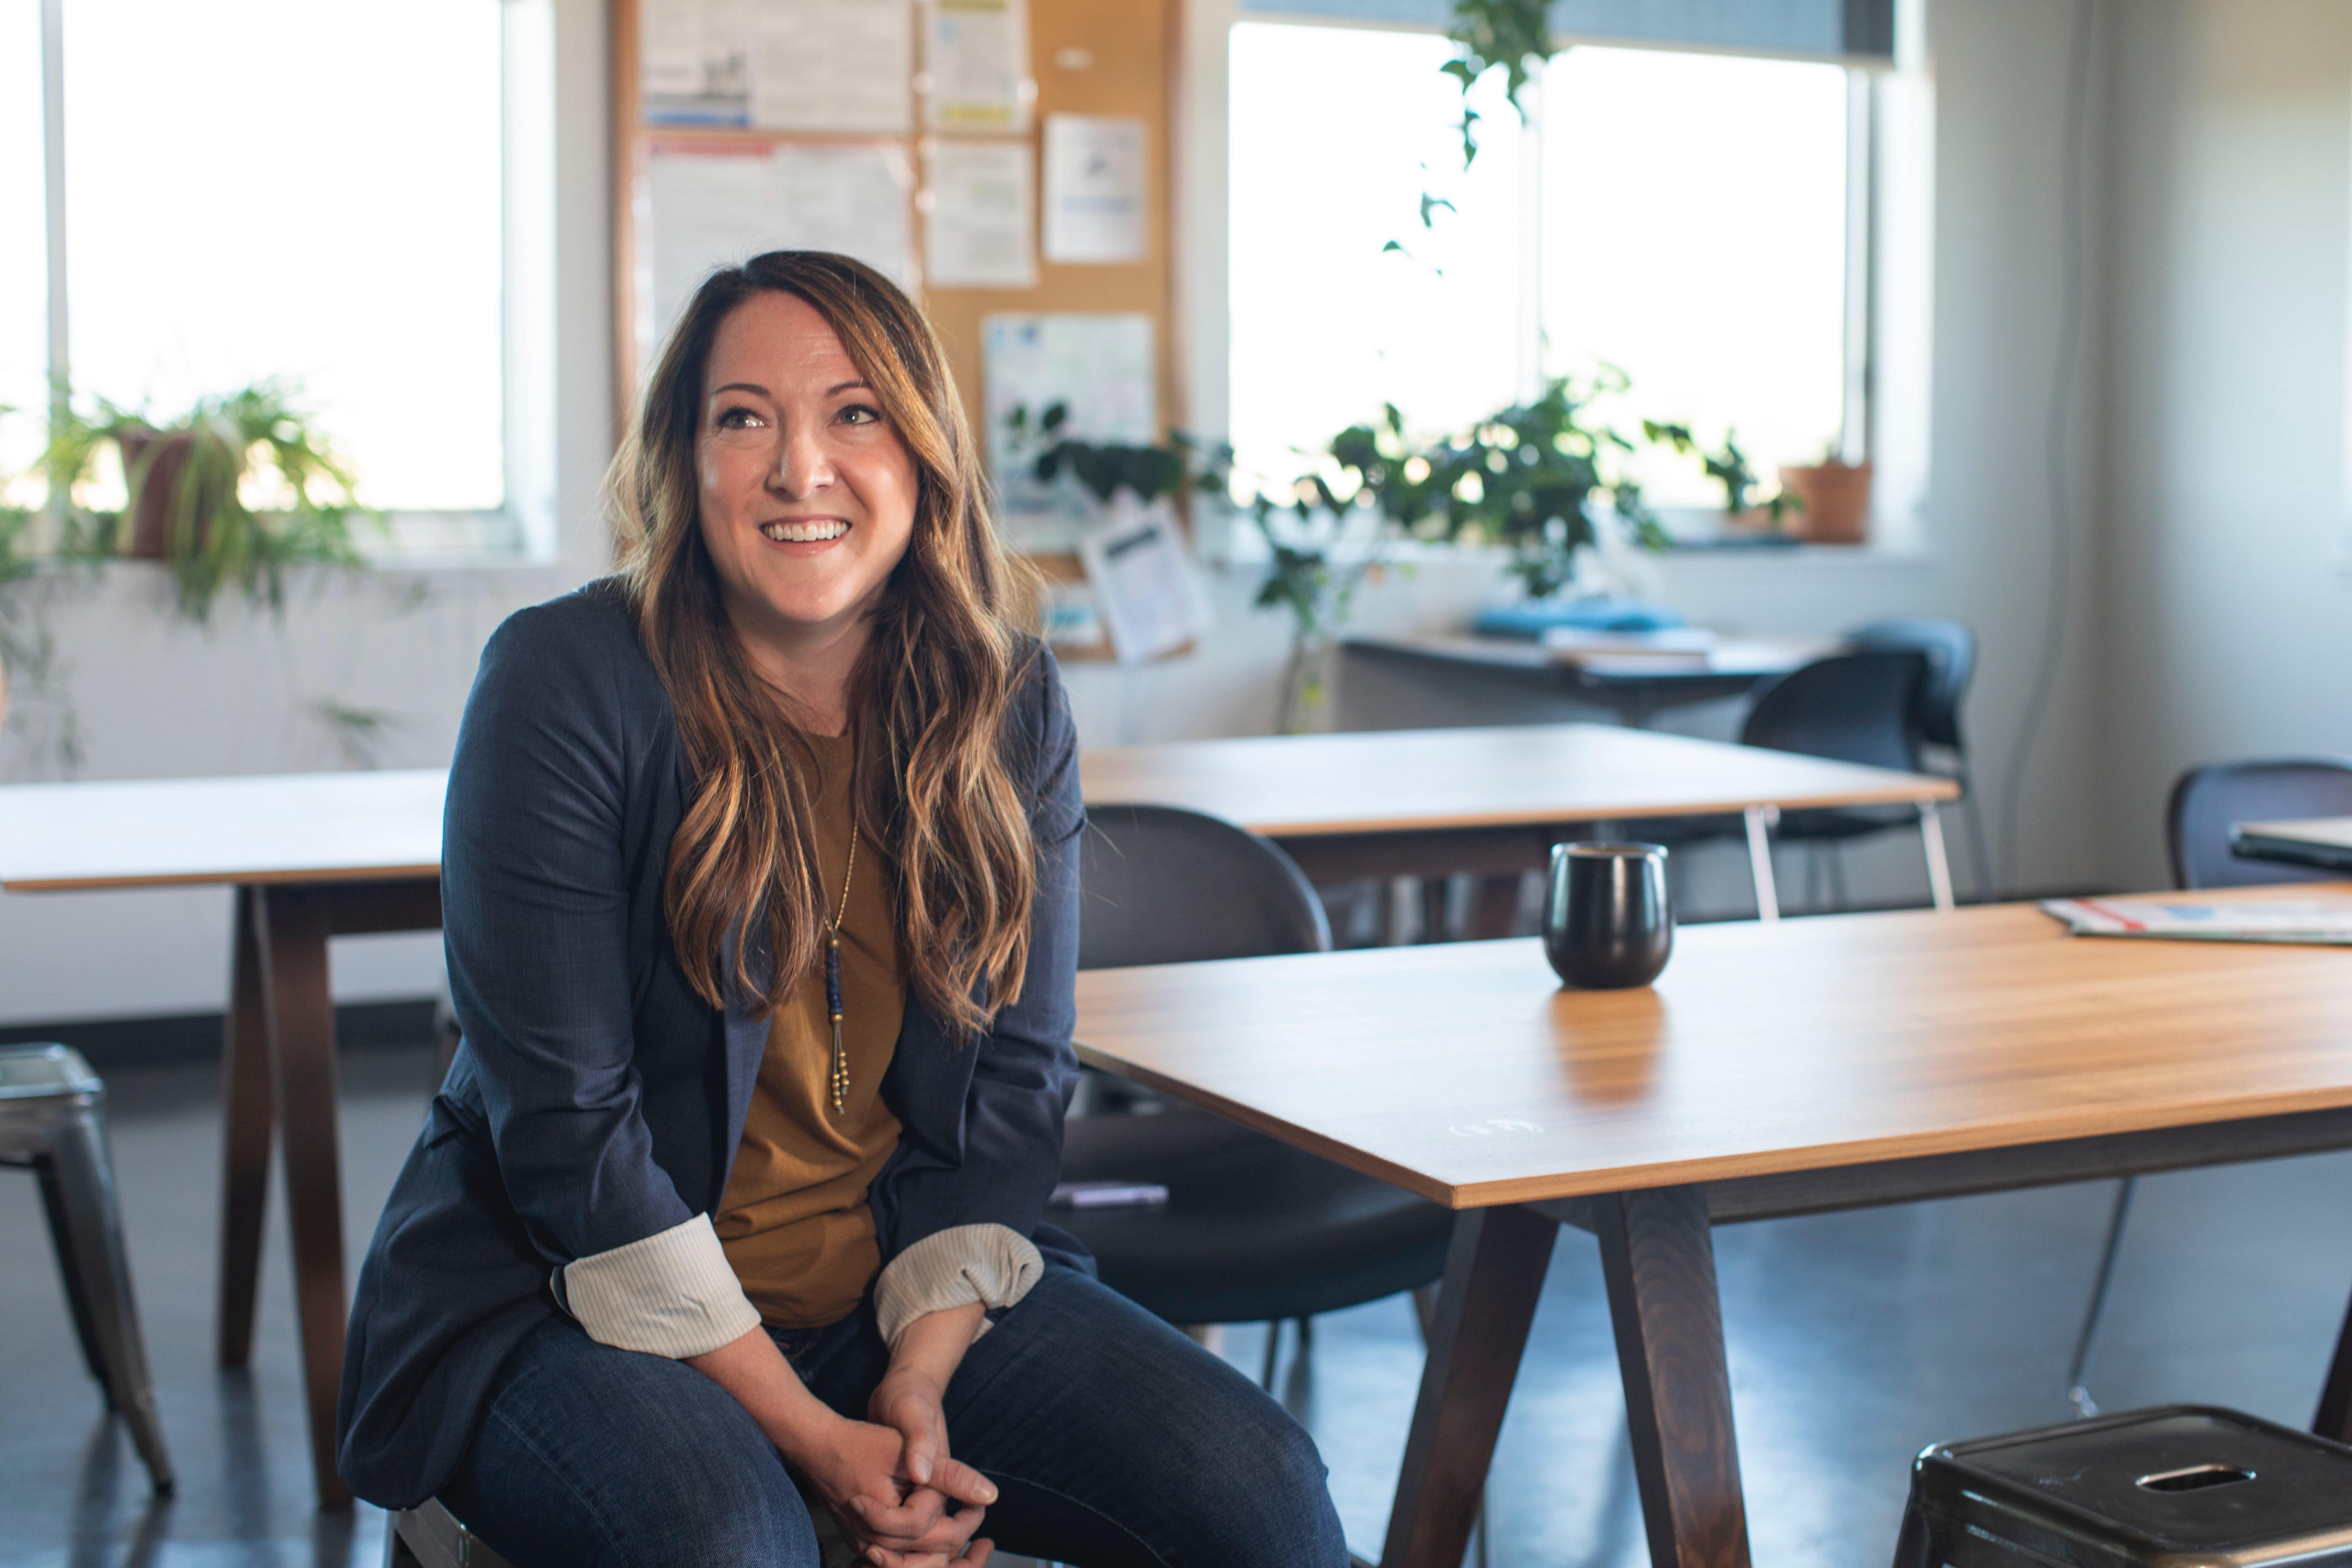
(1151, 601)
(695, 62)
(976, 64)
(1095, 188)
(707, 208)
(833, 64)
(978, 215)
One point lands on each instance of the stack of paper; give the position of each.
(1674, 648)
(2322, 920)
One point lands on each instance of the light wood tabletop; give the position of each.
(1288, 786)
(1464, 1073)
(274, 828)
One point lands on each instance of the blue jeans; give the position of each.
(1112, 1439)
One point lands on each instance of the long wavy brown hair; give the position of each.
(927, 698)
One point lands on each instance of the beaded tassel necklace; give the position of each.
(832, 974)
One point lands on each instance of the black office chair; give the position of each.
(1254, 1230)
(1859, 707)
(2205, 801)
(1950, 649)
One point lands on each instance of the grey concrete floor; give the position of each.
(1854, 1340)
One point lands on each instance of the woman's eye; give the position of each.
(859, 414)
(737, 419)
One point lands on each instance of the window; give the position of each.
(318, 193)
(1695, 235)
(1336, 135)
(1688, 221)
(23, 294)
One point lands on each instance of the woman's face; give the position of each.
(807, 494)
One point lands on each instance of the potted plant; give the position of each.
(1731, 469)
(1834, 498)
(236, 492)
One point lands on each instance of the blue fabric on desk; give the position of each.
(1531, 618)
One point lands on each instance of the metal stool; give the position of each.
(2180, 1484)
(429, 1536)
(52, 1119)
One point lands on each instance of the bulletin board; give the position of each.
(675, 154)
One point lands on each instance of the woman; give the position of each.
(759, 889)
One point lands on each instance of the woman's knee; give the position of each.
(589, 1455)
(1279, 1509)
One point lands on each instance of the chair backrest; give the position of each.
(1951, 653)
(1853, 707)
(1162, 885)
(2206, 800)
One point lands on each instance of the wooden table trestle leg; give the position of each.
(1658, 1258)
(1493, 1275)
(248, 1117)
(294, 924)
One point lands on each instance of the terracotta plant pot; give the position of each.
(1835, 499)
(151, 521)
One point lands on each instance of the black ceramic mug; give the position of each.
(1608, 922)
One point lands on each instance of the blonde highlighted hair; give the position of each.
(927, 698)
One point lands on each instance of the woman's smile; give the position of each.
(812, 532)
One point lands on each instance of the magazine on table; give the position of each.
(2323, 921)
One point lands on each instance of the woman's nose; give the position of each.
(801, 465)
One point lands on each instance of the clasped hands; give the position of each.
(890, 1481)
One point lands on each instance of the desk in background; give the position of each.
(1491, 802)
(1774, 1069)
(2323, 843)
(1416, 675)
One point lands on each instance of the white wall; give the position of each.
(2228, 486)
(158, 700)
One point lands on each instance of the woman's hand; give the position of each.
(857, 1467)
(860, 1470)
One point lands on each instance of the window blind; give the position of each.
(1858, 30)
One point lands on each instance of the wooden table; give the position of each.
(1774, 1069)
(2325, 842)
(1419, 803)
(310, 856)
(1636, 689)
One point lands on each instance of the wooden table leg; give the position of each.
(1493, 1274)
(1658, 1258)
(1494, 906)
(294, 924)
(247, 1114)
(2335, 1419)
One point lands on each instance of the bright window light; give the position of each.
(1695, 235)
(24, 287)
(290, 189)
(1335, 134)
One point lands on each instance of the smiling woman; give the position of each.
(760, 890)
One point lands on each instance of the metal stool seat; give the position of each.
(2181, 1486)
(52, 1119)
(430, 1536)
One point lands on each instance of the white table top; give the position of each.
(362, 827)
(2322, 832)
(287, 827)
(1391, 781)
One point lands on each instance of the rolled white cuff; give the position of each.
(670, 1294)
(992, 1263)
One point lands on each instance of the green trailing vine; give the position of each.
(1491, 33)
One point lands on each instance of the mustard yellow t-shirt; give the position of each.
(794, 1220)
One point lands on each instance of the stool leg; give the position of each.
(1912, 1548)
(2078, 1387)
(93, 1223)
(52, 1207)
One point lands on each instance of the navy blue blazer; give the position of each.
(596, 1099)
